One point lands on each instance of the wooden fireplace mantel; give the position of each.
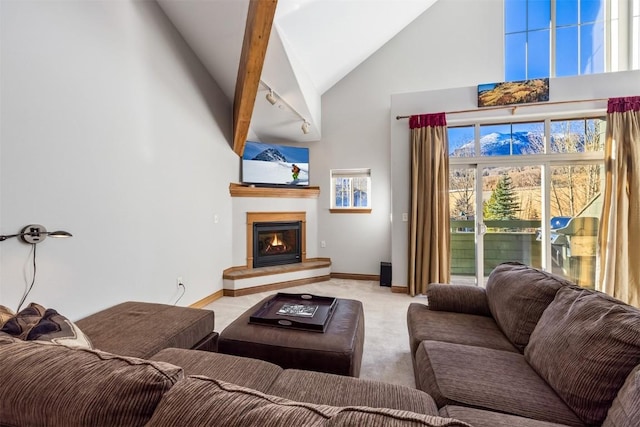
(243, 190)
(274, 217)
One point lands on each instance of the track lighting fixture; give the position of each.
(271, 97)
(274, 99)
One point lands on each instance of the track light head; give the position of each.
(271, 97)
(306, 126)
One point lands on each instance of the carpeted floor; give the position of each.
(386, 343)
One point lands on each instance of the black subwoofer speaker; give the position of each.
(385, 274)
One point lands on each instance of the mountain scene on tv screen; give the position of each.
(263, 164)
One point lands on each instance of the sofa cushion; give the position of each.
(625, 410)
(250, 373)
(74, 386)
(458, 298)
(482, 418)
(517, 296)
(484, 378)
(585, 346)
(206, 401)
(426, 324)
(37, 323)
(141, 329)
(339, 390)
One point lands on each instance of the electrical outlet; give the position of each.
(179, 281)
(323, 244)
(405, 217)
(216, 218)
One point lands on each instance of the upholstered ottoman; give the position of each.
(141, 329)
(336, 351)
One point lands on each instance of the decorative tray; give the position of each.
(296, 311)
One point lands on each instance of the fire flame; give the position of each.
(275, 241)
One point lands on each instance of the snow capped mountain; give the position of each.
(270, 155)
(504, 144)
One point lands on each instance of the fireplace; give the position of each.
(275, 238)
(276, 243)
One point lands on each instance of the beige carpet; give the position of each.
(386, 342)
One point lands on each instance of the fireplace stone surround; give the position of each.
(245, 279)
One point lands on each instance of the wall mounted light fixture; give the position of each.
(35, 233)
(305, 127)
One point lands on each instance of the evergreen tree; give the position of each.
(503, 203)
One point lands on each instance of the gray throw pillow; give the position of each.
(585, 345)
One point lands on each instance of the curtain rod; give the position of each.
(514, 107)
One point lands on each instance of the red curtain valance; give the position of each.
(620, 105)
(425, 120)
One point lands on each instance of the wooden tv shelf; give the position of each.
(243, 190)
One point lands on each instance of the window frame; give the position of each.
(621, 49)
(546, 160)
(350, 174)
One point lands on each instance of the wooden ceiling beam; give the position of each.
(254, 48)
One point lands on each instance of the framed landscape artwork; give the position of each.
(508, 93)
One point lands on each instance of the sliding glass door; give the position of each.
(527, 192)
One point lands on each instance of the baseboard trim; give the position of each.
(207, 300)
(354, 276)
(399, 289)
(273, 286)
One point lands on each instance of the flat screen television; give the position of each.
(275, 165)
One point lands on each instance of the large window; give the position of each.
(530, 194)
(556, 38)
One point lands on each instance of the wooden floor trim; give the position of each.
(354, 276)
(207, 300)
(399, 289)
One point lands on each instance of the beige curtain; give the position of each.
(619, 232)
(429, 257)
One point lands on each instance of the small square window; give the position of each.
(351, 190)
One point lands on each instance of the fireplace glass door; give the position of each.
(276, 243)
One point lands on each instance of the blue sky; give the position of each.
(579, 38)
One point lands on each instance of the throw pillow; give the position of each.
(585, 345)
(5, 314)
(625, 410)
(48, 384)
(37, 323)
(517, 295)
(20, 324)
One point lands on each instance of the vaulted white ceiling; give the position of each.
(313, 45)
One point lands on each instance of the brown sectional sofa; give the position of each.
(48, 384)
(531, 349)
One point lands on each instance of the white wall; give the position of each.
(454, 43)
(112, 130)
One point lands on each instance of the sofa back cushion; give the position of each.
(585, 345)
(205, 401)
(625, 410)
(517, 295)
(49, 384)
